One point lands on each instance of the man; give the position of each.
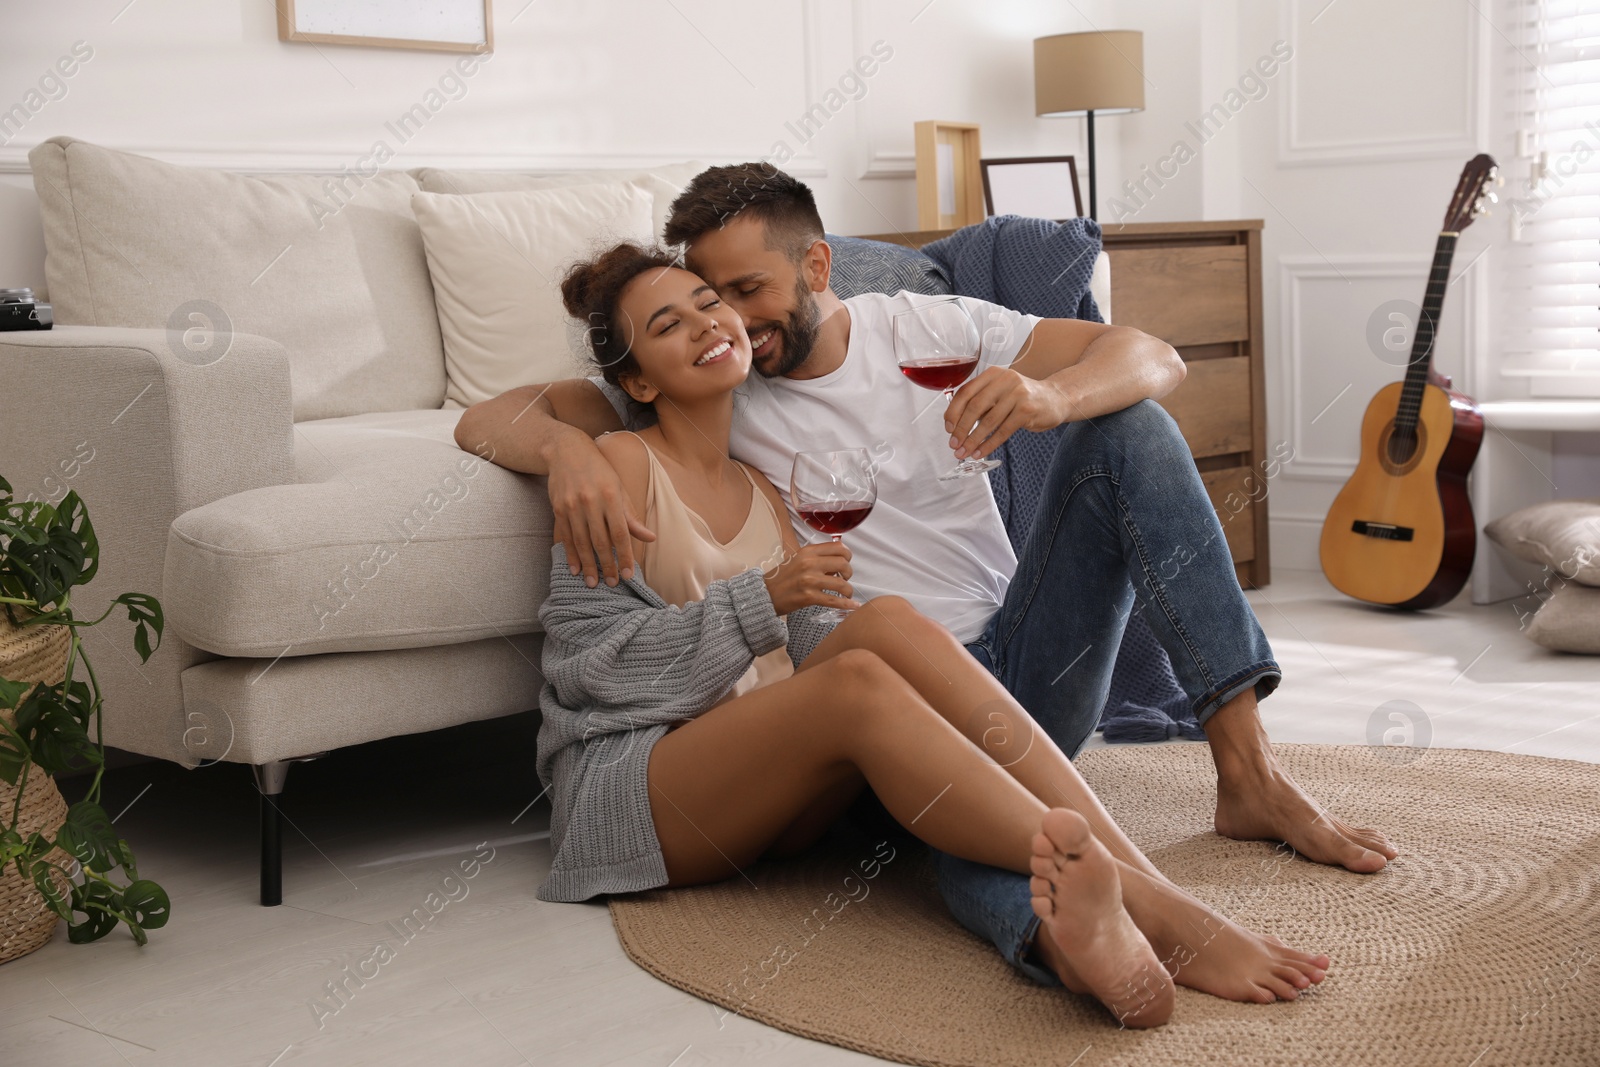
(1123, 513)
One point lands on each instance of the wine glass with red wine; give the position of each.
(833, 492)
(937, 346)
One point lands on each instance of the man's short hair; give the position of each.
(718, 195)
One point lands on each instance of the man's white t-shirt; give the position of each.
(939, 544)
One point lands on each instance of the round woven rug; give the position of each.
(1478, 947)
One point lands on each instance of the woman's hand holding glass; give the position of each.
(815, 574)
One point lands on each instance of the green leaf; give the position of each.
(124, 857)
(53, 895)
(89, 836)
(96, 922)
(53, 722)
(14, 755)
(143, 609)
(39, 846)
(147, 903)
(48, 550)
(11, 846)
(76, 520)
(11, 692)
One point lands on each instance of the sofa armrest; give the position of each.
(144, 432)
(195, 431)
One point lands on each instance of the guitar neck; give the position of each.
(1427, 327)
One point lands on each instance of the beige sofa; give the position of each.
(245, 385)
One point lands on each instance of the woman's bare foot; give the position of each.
(1085, 934)
(1205, 951)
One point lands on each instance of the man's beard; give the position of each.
(798, 335)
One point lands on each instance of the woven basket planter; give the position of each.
(33, 654)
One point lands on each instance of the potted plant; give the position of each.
(45, 714)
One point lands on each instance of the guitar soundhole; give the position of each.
(1401, 448)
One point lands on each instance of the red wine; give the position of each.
(941, 374)
(836, 518)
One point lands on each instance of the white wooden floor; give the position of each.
(497, 977)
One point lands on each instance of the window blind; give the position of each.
(1552, 320)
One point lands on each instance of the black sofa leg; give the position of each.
(271, 852)
(269, 782)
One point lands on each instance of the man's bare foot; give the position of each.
(1085, 934)
(1258, 801)
(1265, 804)
(1205, 951)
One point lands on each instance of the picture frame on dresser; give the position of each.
(1197, 286)
(1039, 187)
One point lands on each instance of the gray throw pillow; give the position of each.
(863, 266)
(1564, 535)
(1569, 620)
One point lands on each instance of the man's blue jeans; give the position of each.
(1124, 525)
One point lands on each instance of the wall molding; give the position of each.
(1295, 150)
(1296, 541)
(1293, 269)
(874, 161)
(321, 160)
(806, 163)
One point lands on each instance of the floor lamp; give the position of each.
(1088, 74)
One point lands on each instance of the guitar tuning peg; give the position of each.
(1493, 198)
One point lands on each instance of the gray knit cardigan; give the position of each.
(620, 666)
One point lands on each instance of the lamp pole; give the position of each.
(1094, 204)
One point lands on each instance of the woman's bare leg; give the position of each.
(972, 700)
(826, 810)
(1200, 948)
(725, 785)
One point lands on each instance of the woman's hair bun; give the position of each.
(590, 291)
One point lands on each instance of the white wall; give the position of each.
(1351, 160)
(572, 83)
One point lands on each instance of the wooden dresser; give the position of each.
(1197, 286)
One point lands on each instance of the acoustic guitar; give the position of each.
(1401, 531)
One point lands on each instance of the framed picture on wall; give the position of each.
(1038, 187)
(432, 25)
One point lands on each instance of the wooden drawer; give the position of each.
(1185, 296)
(1232, 491)
(1212, 406)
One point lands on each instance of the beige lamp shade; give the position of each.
(1102, 71)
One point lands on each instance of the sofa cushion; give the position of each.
(331, 268)
(497, 260)
(392, 538)
(1564, 535)
(663, 183)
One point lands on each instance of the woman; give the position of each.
(705, 714)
